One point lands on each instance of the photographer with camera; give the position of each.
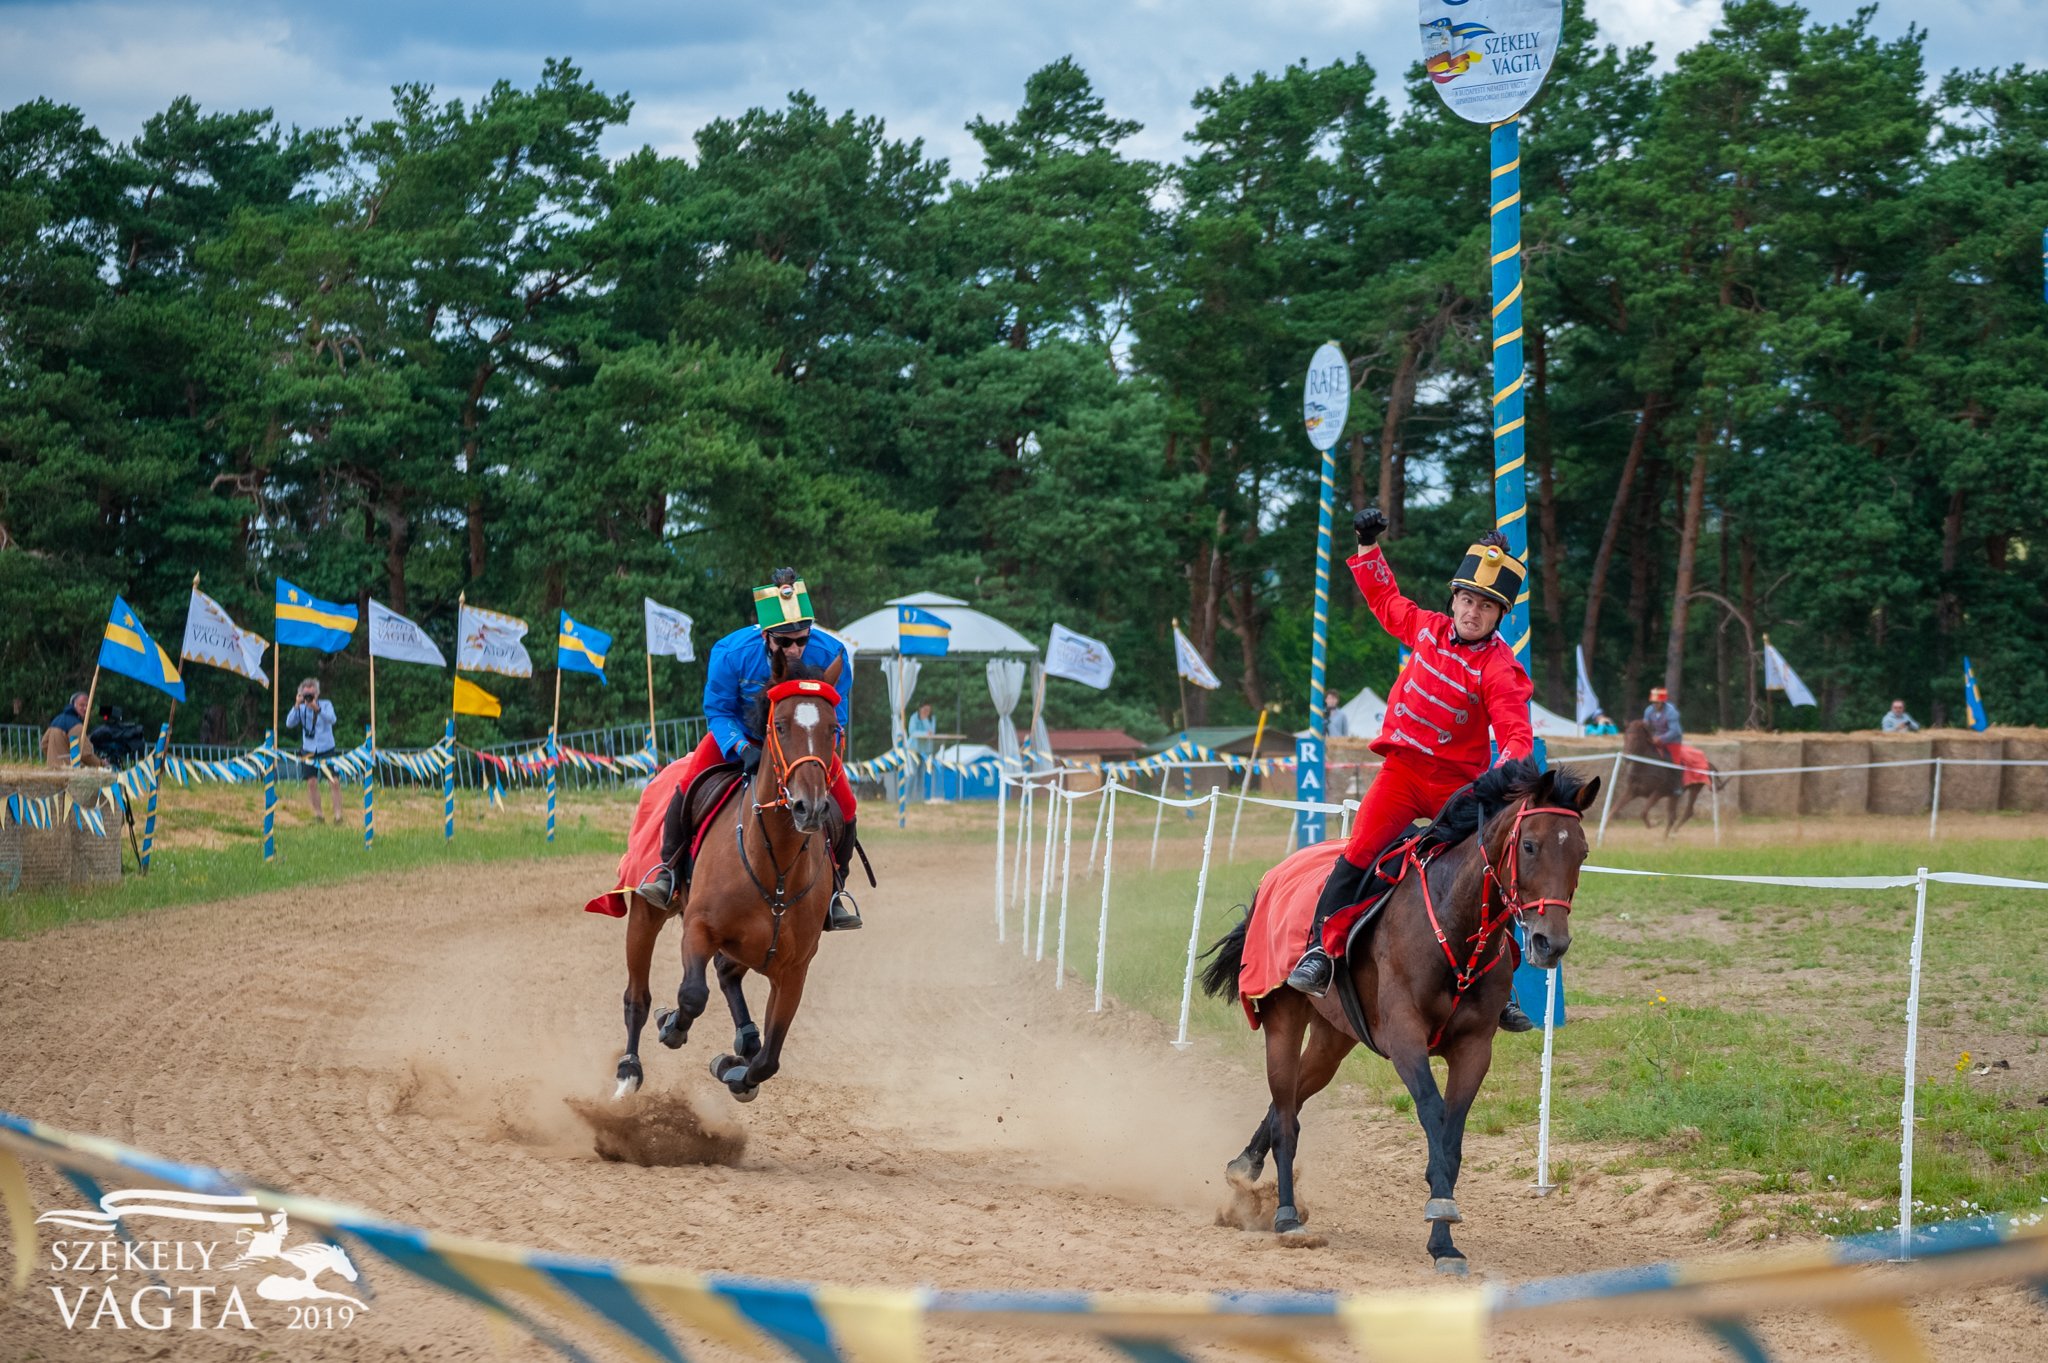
(57, 737)
(314, 719)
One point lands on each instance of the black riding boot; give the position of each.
(842, 915)
(1513, 1019)
(659, 885)
(1346, 886)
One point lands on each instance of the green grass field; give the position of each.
(1751, 1035)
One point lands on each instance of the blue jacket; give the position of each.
(1662, 719)
(738, 672)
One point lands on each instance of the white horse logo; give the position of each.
(310, 1259)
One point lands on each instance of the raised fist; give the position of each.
(1369, 525)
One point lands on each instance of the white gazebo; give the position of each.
(972, 632)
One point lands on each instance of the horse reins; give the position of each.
(779, 899)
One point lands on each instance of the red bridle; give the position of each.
(1507, 887)
(771, 743)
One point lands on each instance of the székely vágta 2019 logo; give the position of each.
(116, 1279)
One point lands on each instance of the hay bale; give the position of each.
(63, 854)
(1901, 790)
(1970, 790)
(1771, 797)
(2025, 787)
(1836, 792)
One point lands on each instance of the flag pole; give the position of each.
(1182, 678)
(91, 690)
(650, 692)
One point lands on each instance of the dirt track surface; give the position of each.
(407, 1043)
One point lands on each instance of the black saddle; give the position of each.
(701, 800)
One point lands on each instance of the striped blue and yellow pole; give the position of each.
(156, 782)
(2044, 265)
(554, 757)
(1510, 483)
(270, 795)
(448, 787)
(1326, 401)
(370, 789)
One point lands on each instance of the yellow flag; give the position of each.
(471, 699)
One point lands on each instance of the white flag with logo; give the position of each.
(397, 639)
(1191, 663)
(1079, 658)
(668, 632)
(486, 641)
(1779, 676)
(1589, 704)
(214, 639)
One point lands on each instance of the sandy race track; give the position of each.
(406, 1043)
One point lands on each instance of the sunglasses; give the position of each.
(789, 641)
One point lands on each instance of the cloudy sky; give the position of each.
(926, 67)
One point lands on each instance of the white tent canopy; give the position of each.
(1367, 712)
(874, 634)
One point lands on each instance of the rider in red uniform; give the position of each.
(1461, 680)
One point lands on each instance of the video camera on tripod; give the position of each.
(118, 742)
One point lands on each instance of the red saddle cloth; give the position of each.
(643, 843)
(1281, 910)
(1692, 760)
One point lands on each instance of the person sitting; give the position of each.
(1897, 721)
(737, 672)
(69, 725)
(1660, 716)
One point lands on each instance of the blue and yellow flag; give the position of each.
(305, 621)
(579, 648)
(921, 632)
(128, 650)
(1978, 719)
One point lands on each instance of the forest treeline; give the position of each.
(1787, 350)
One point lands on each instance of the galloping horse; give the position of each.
(1655, 780)
(1426, 981)
(758, 895)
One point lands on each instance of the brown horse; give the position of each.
(757, 897)
(1431, 978)
(1656, 780)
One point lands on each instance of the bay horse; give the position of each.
(1426, 979)
(758, 894)
(1654, 780)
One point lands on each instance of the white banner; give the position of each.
(214, 639)
(486, 641)
(1589, 704)
(1078, 658)
(668, 632)
(1779, 676)
(1326, 396)
(1488, 58)
(1191, 664)
(397, 639)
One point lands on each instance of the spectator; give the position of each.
(921, 728)
(314, 719)
(69, 724)
(1336, 723)
(1897, 721)
(1601, 727)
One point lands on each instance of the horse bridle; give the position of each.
(771, 742)
(1507, 886)
(779, 898)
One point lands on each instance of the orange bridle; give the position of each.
(771, 742)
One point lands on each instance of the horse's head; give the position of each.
(800, 733)
(1533, 857)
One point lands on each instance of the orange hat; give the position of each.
(1658, 693)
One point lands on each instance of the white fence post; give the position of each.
(1052, 817)
(1187, 988)
(1028, 807)
(1912, 1064)
(1238, 817)
(1544, 1187)
(1059, 979)
(1613, 780)
(1714, 796)
(1002, 824)
(1101, 813)
(1102, 926)
(1160, 817)
(1934, 809)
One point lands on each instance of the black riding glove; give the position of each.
(1369, 525)
(750, 758)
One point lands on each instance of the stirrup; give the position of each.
(1513, 1019)
(659, 886)
(842, 915)
(1313, 973)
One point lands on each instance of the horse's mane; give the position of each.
(1493, 792)
(799, 670)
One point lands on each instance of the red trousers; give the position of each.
(709, 754)
(1406, 789)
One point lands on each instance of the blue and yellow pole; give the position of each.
(448, 787)
(370, 789)
(270, 795)
(554, 757)
(1510, 483)
(1309, 765)
(156, 783)
(2044, 265)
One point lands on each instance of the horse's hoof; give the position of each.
(1244, 1170)
(670, 1035)
(1286, 1221)
(746, 1042)
(747, 1094)
(629, 1076)
(1453, 1266)
(1442, 1209)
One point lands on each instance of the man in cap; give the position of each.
(1462, 679)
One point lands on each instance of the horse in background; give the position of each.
(1656, 779)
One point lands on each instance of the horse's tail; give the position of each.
(1219, 977)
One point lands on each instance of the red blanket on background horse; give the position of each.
(1692, 760)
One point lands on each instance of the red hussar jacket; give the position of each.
(1450, 691)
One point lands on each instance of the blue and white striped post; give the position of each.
(448, 787)
(269, 796)
(2044, 265)
(554, 757)
(156, 783)
(370, 789)
(1325, 402)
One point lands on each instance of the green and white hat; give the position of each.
(783, 605)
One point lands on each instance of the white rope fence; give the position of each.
(1054, 787)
